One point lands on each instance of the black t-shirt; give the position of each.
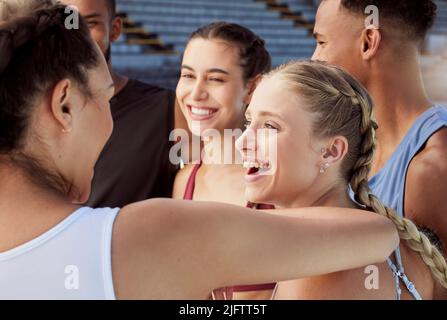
(134, 164)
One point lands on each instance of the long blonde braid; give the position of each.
(408, 231)
(344, 107)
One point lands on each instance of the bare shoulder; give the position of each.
(181, 180)
(426, 184)
(425, 191)
(432, 158)
(426, 177)
(368, 283)
(371, 282)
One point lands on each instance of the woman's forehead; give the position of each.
(275, 95)
(219, 53)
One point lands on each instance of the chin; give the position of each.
(200, 132)
(84, 197)
(80, 195)
(81, 198)
(255, 196)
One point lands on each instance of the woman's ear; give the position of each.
(336, 152)
(251, 86)
(60, 107)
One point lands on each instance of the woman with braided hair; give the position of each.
(54, 121)
(325, 143)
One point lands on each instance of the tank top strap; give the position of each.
(399, 274)
(71, 261)
(389, 183)
(191, 184)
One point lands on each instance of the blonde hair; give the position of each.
(343, 107)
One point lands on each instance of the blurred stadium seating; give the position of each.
(156, 32)
(434, 59)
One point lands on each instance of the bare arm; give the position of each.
(183, 250)
(425, 190)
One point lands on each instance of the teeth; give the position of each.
(266, 166)
(257, 165)
(201, 112)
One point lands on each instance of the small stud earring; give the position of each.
(66, 131)
(324, 167)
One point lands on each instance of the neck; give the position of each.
(20, 196)
(399, 98)
(335, 195)
(221, 150)
(119, 80)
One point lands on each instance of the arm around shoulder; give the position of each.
(184, 249)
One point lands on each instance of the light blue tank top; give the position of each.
(389, 183)
(71, 261)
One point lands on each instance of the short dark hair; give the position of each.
(111, 5)
(255, 59)
(416, 16)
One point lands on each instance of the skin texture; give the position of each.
(106, 30)
(295, 179)
(155, 243)
(295, 184)
(215, 80)
(388, 66)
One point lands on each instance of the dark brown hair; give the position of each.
(111, 6)
(37, 51)
(255, 59)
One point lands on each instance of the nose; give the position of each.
(315, 55)
(199, 92)
(246, 144)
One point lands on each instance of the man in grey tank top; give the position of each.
(134, 165)
(378, 42)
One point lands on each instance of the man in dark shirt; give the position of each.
(134, 164)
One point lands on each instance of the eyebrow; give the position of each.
(265, 114)
(92, 15)
(317, 35)
(213, 70)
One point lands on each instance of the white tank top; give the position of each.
(69, 262)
